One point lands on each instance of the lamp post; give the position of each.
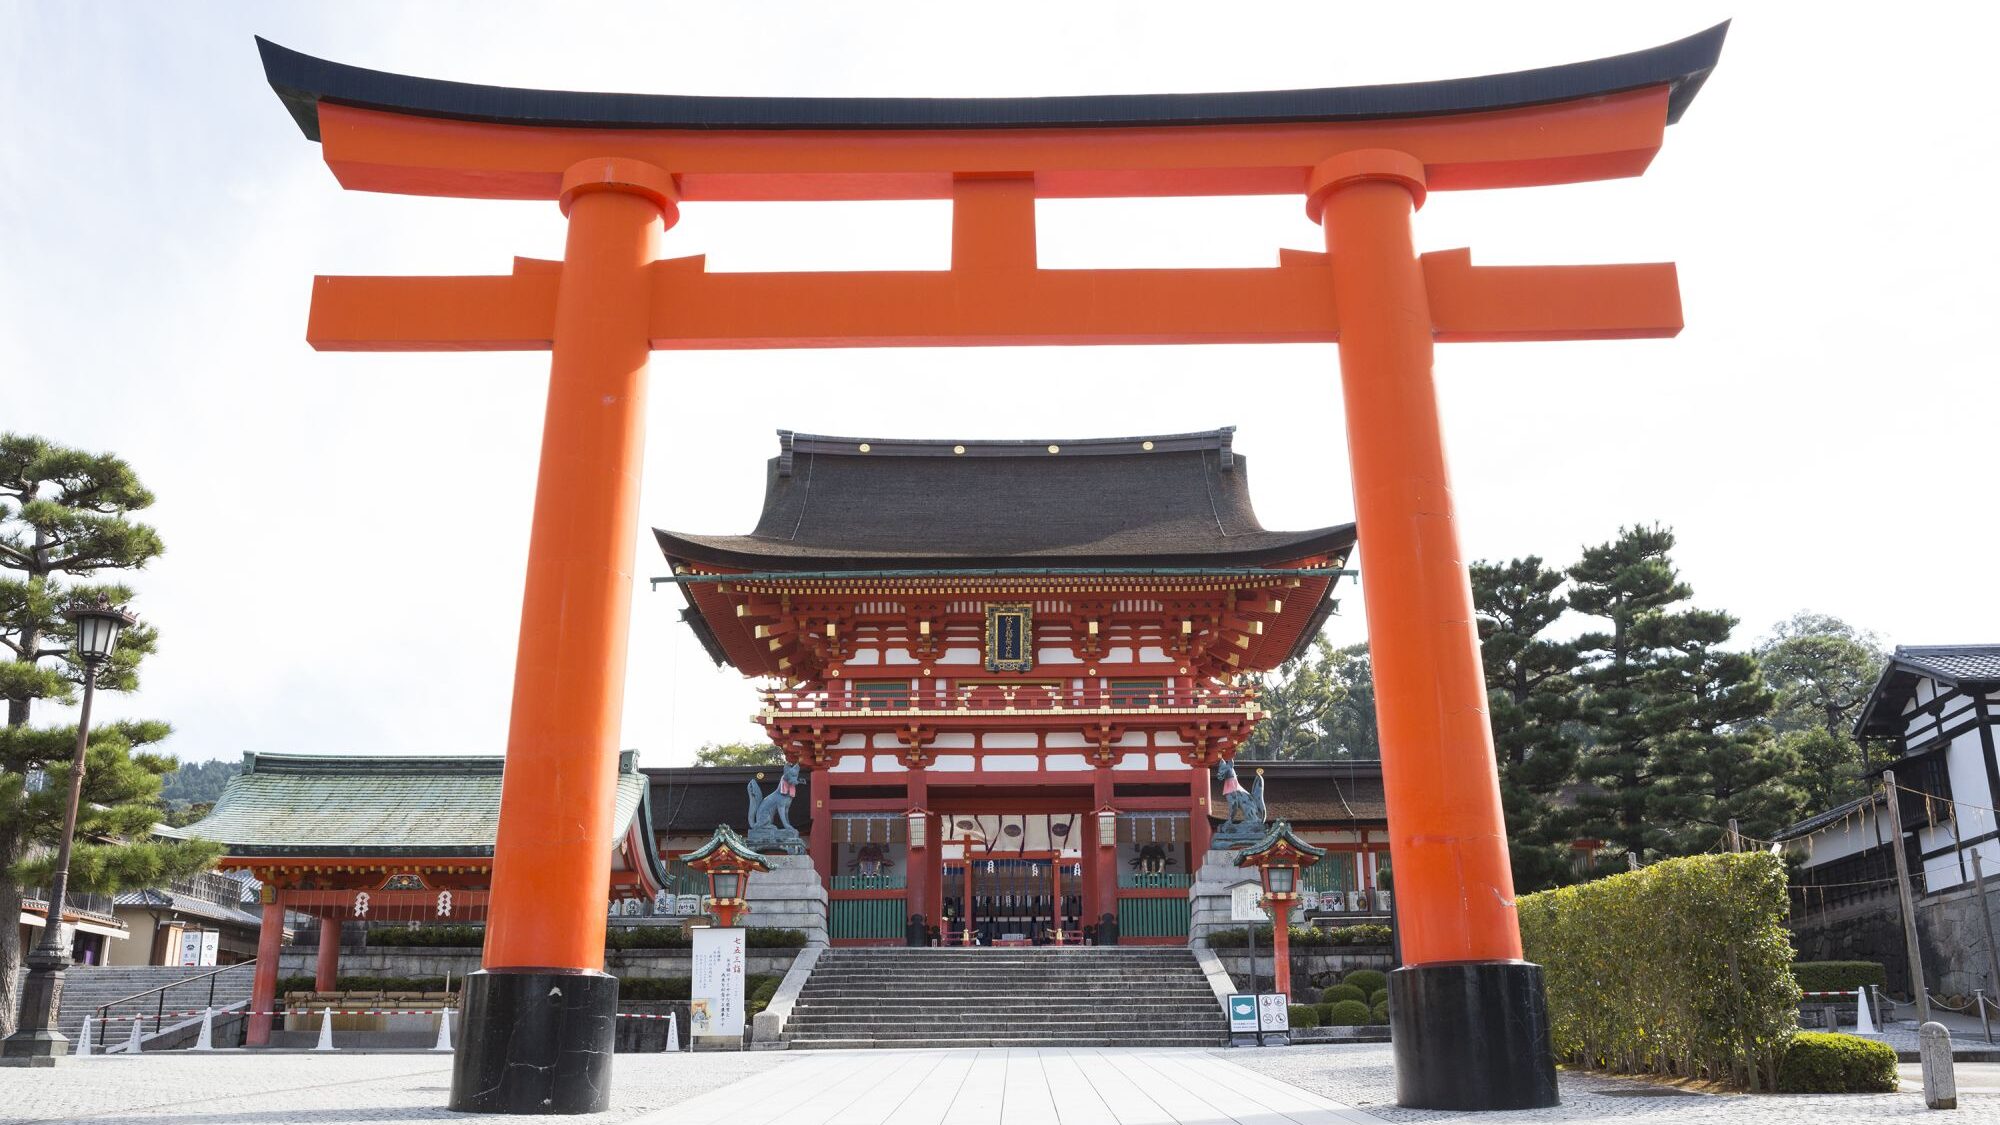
(36, 1038)
(1278, 858)
(728, 862)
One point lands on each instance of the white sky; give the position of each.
(346, 533)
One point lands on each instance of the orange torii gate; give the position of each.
(1471, 1028)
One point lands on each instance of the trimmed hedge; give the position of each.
(1348, 1013)
(400, 936)
(1681, 969)
(346, 983)
(1341, 992)
(1369, 981)
(1838, 976)
(1379, 996)
(1368, 933)
(1304, 1015)
(1821, 1063)
(1379, 1012)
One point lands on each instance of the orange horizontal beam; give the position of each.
(1293, 302)
(1564, 142)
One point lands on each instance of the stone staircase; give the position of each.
(1090, 996)
(85, 987)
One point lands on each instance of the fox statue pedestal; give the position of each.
(789, 896)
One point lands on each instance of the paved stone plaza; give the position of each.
(1346, 1085)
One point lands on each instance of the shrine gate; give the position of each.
(1470, 1021)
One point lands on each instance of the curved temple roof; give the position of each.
(303, 81)
(841, 503)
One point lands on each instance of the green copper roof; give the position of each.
(726, 839)
(319, 805)
(1280, 832)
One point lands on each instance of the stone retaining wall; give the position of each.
(436, 961)
(1950, 937)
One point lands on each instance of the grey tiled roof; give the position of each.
(298, 804)
(1953, 662)
(1174, 499)
(186, 904)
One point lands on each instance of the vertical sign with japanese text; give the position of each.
(715, 1003)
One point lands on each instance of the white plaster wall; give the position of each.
(1169, 762)
(1153, 654)
(1133, 762)
(888, 763)
(850, 763)
(851, 742)
(959, 656)
(864, 657)
(1056, 656)
(953, 763)
(900, 656)
(1008, 763)
(1010, 740)
(953, 740)
(1068, 763)
(1063, 739)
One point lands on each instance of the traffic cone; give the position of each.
(138, 1029)
(83, 1041)
(444, 1031)
(325, 1030)
(207, 1040)
(673, 1031)
(1864, 1022)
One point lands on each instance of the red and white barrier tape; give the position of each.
(122, 1017)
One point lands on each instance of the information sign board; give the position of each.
(1244, 905)
(199, 948)
(715, 1004)
(1242, 1012)
(1274, 1012)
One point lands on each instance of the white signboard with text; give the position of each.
(715, 1004)
(1244, 904)
(199, 948)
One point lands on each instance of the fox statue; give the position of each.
(777, 803)
(1246, 806)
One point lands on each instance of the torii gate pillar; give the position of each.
(1470, 1025)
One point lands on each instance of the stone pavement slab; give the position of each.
(1323, 1085)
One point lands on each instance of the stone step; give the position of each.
(817, 1044)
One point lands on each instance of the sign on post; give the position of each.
(715, 1004)
(1242, 1012)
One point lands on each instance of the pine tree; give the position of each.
(64, 517)
(1630, 585)
(1533, 700)
(1716, 759)
(1318, 705)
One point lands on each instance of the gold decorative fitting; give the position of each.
(1146, 445)
(958, 449)
(1055, 449)
(864, 447)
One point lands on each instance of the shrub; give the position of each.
(1820, 1063)
(760, 987)
(1680, 969)
(1304, 1015)
(1341, 992)
(1365, 933)
(401, 936)
(1347, 1013)
(1379, 996)
(1837, 976)
(1380, 1011)
(1367, 982)
(652, 990)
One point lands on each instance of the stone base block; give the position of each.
(1472, 1036)
(535, 1042)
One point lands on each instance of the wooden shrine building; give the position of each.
(385, 839)
(1011, 667)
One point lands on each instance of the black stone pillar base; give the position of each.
(1471, 1035)
(535, 1042)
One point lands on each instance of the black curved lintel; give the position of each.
(302, 82)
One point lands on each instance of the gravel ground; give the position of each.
(1361, 1076)
(233, 1088)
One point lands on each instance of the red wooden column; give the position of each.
(1200, 832)
(819, 839)
(264, 980)
(1461, 940)
(326, 969)
(1101, 888)
(917, 876)
(539, 1015)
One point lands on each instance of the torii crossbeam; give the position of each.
(1471, 1027)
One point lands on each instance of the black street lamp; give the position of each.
(36, 1038)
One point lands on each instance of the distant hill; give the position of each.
(198, 783)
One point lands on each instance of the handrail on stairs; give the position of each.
(160, 1007)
